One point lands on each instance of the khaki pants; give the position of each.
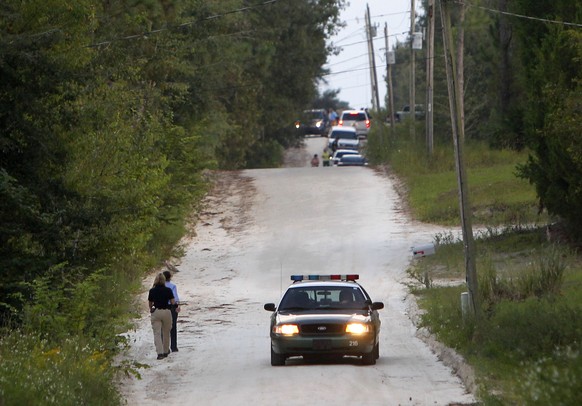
(162, 324)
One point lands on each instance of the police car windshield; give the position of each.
(321, 298)
(346, 135)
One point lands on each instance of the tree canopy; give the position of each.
(110, 112)
(522, 89)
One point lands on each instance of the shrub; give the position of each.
(444, 316)
(34, 372)
(554, 380)
(530, 328)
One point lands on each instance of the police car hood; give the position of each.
(331, 316)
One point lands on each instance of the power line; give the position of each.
(346, 60)
(373, 39)
(212, 17)
(507, 13)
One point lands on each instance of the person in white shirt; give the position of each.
(175, 309)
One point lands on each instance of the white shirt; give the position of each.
(174, 291)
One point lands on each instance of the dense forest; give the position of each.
(522, 89)
(111, 113)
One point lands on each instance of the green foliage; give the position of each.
(554, 379)
(525, 348)
(497, 195)
(111, 114)
(35, 371)
(554, 77)
(66, 302)
(109, 121)
(529, 329)
(266, 154)
(444, 317)
(541, 278)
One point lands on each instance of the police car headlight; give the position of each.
(286, 329)
(357, 328)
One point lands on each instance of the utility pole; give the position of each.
(430, 79)
(455, 96)
(412, 101)
(389, 63)
(370, 34)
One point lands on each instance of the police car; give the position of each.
(325, 315)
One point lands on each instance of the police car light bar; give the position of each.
(350, 277)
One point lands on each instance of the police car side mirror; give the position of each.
(270, 307)
(377, 305)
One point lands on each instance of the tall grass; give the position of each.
(526, 346)
(496, 195)
(34, 371)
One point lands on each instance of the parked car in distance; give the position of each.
(313, 122)
(358, 119)
(346, 137)
(338, 154)
(401, 115)
(352, 160)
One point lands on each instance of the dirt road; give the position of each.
(258, 228)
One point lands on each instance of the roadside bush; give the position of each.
(543, 277)
(553, 380)
(530, 328)
(265, 154)
(444, 317)
(546, 275)
(66, 302)
(35, 372)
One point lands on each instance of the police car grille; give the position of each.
(323, 329)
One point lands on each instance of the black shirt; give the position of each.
(161, 296)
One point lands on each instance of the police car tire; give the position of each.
(377, 351)
(369, 358)
(277, 360)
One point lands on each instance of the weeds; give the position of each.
(35, 372)
(558, 376)
(526, 345)
(498, 197)
(530, 329)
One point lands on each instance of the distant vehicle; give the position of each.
(347, 138)
(313, 122)
(352, 160)
(325, 315)
(358, 119)
(400, 116)
(338, 154)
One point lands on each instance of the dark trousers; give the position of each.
(174, 332)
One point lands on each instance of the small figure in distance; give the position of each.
(326, 156)
(315, 161)
(332, 117)
(334, 145)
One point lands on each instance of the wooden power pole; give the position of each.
(389, 63)
(412, 101)
(430, 79)
(373, 78)
(455, 101)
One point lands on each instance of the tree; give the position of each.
(111, 111)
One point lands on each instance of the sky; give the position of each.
(350, 70)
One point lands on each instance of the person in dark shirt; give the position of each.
(160, 298)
